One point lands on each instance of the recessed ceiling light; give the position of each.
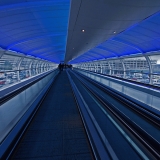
(114, 32)
(82, 30)
(73, 48)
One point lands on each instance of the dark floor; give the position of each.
(56, 131)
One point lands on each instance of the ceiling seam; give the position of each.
(74, 26)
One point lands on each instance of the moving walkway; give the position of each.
(79, 118)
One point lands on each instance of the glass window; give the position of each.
(8, 70)
(39, 67)
(7, 78)
(24, 68)
(106, 68)
(98, 67)
(137, 69)
(155, 62)
(25, 63)
(116, 65)
(48, 66)
(116, 68)
(9, 62)
(33, 67)
(10, 73)
(42, 67)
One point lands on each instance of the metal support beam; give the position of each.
(110, 68)
(41, 67)
(101, 68)
(18, 68)
(2, 53)
(30, 74)
(150, 69)
(124, 68)
(37, 67)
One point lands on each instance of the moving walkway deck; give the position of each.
(57, 131)
(129, 122)
(82, 119)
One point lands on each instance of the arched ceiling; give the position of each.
(35, 27)
(52, 29)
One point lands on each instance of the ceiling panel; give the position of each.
(103, 20)
(52, 30)
(27, 26)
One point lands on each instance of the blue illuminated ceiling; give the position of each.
(113, 28)
(37, 28)
(52, 29)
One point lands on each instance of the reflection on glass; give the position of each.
(155, 62)
(7, 78)
(25, 63)
(9, 62)
(134, 69)
(15, 68)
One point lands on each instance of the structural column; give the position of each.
(124, 69)
(18, 68)
(150, 69)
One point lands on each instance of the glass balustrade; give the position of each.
(144, 69)
(15, 68)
